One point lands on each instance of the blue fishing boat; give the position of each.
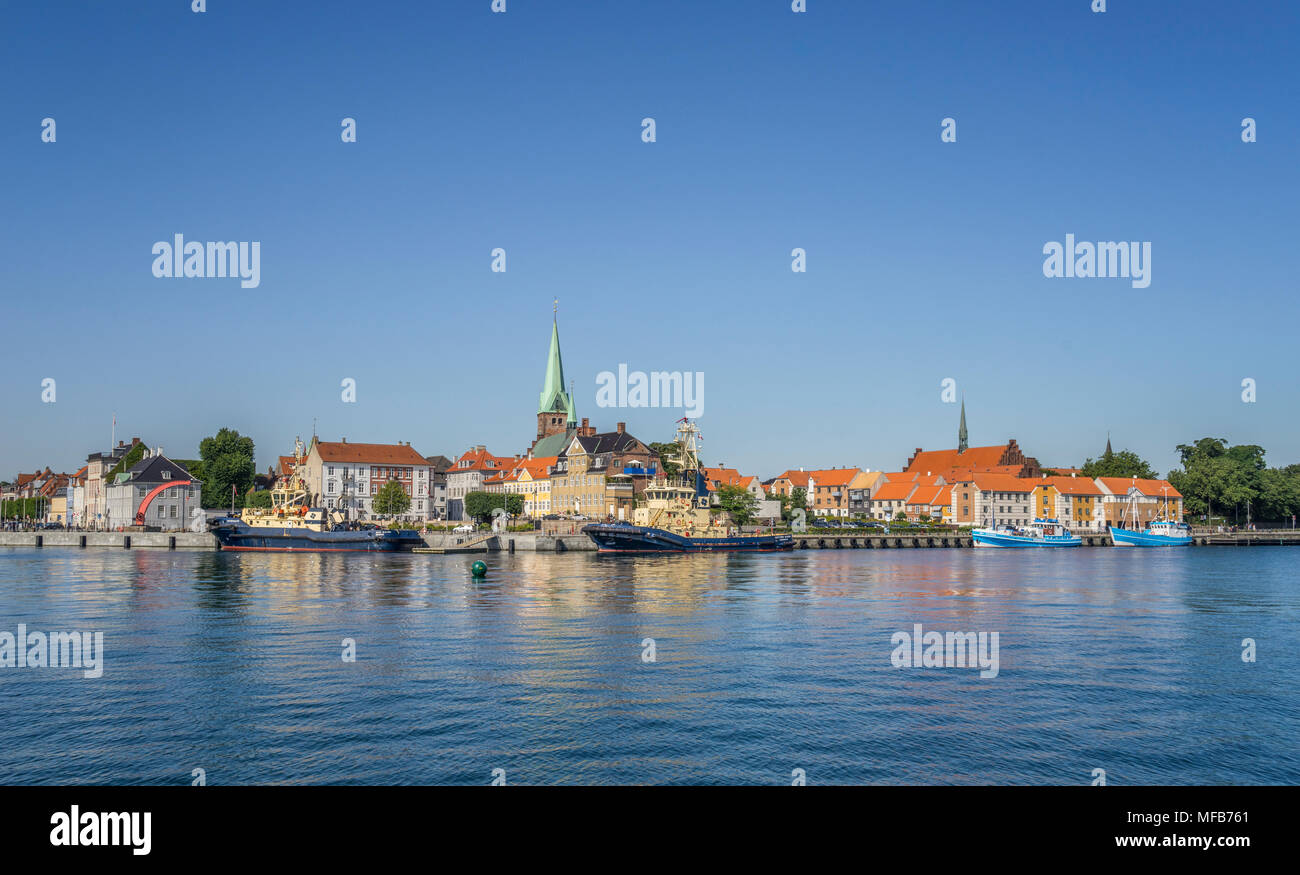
(1039, 533)
(674, 515)
(1160, 533)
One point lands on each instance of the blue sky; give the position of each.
(775, 130)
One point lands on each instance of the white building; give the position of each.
(346, 477)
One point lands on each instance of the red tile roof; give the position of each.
(371, 454)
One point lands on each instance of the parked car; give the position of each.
(461, 529)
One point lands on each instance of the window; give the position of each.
(167, 475)
(331, 470)
(162, 511)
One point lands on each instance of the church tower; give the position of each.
(961, 429)
(555, 412)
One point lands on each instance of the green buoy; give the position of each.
(478, 569)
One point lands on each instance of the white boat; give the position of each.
(1039, 533)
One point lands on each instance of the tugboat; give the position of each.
(289, 525)
(674, 516)
(1039, 533)
(1162, 532)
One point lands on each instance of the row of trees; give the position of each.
(1217, 478)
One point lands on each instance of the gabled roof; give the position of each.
(926, 495)
(796, 478)
(152, 468)
(478, 460)
(723, 476)
(369, 454)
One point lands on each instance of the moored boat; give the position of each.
(1039, 533)
(289, 525)
(674, 515)
(1160, 533)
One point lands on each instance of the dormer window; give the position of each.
(167, 475)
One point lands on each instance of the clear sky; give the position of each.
(774, 130)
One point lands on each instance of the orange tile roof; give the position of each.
(796, 478)
(893, 492)
(1071, 485)
(372, 454)
(901, 476)
(1152, 488)
(1001, 483)
(942, 460)
(480, 461)
(925, 495)
(834, 476)
(725, 476)
(944, 497)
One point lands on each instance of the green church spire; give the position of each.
(553, 397)
(961, 430)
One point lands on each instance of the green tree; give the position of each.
(260, 498)
(663, 451)
(1125, 463)
(1232, 477)
(479, 505)
(391, 499)
(227, 460)
(739, 502)
(127, 462)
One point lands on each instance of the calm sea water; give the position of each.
(1123, 660)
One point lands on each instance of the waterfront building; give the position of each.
(467, 474)
(98, 465)
(1075, 501)
(829, 490)
(529, 478)
(151, 486)
(347, 476)
(785, 483)
(1124, 498)
(601, 475)
(993, 498)
(724, 476)
(890, 499)
(932, 502)
(438, 467)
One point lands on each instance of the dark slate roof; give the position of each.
(439, 463)
(151, 470)
(609, 442)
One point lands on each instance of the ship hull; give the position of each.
(988, 538)
(1130, 538)
(645, 539)
(290, 539)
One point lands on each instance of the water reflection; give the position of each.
(233, 662)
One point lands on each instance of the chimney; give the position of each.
(480, 448)
(621, 427)
(345, 440)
